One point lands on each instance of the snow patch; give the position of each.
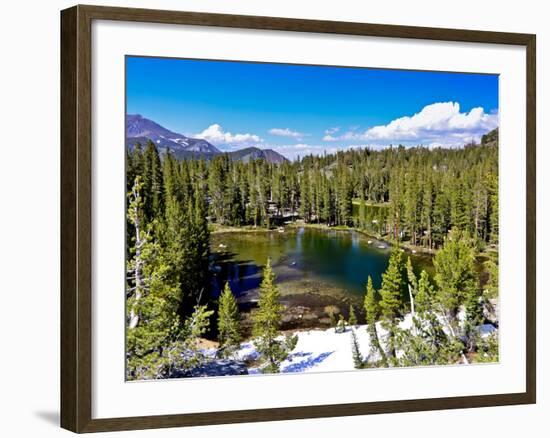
(325, 350)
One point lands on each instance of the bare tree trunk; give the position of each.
(430, 234)
(138, 268)
(376, 343)
(411, 297)
(450, 327)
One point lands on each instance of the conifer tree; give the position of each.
(411, 207)
(358, 362)
(331, 311)
(229, 334)
(185, 352)
(135, 164)
(490, 292)
(426, 295)
(352, 320)
(372, 311)
(341, 325)
(345, 197)
(151, 300)
(267, 320)
(391, 293)
(493, 207)
(153, 187)
(427, 211)
(392, 287)
(412, 285)
(328, 204)
(137, 286)
(455, 273)
(305, 196)
(362, 222)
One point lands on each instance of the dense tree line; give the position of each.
(168, 256)
(415, 194)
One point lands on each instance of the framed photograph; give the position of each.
(268, 218)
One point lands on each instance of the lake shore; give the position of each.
(309, 297)
(221, 229)
(413, 249)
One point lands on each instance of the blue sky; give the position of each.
(309, 109)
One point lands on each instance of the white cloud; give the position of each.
(286, 132)
(216, 135)
(440, 123)
(333, 130)
(329, 134)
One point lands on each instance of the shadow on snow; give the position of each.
(304, 365)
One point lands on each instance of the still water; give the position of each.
(330, 259)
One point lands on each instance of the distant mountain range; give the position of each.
(140, 130)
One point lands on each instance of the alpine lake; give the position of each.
(318, 270)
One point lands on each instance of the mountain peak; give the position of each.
(140, 129)
(255, 153)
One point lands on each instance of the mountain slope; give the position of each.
(253, 153)
(140, 130)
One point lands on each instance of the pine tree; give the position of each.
(352, 320)
(491, 268)
(328, 203)
(455, 273)
(228, 323)
(362, 221)
(493, 207)
(427, 210)
(442, 211)
(267, 320)
(411, 207)
(412, 285)
(341, 325)
(392, 287)
(331, 311)
(135, 164)
(372, 311)
(185, 353)
(459, 211)
(137, 286)
(345, 198)
(151, 300)
(218, 189)
(305, 196)
(396, 189)
(391, 293)
(153, 187)
(425, 295)
(358, 362)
